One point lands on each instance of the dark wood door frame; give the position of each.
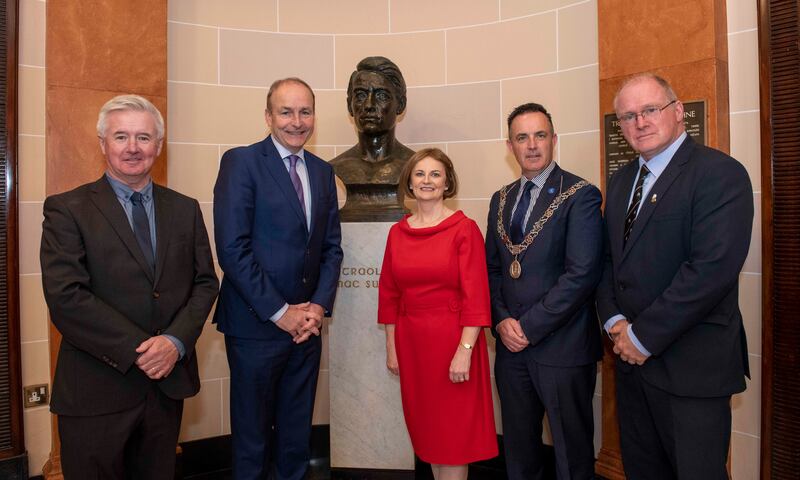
(779, 72)
(12, 441)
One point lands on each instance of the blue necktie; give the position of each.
(141, 229)
(517, 221)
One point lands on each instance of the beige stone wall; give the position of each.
(31, 142)
(466, 65)
(746, 147)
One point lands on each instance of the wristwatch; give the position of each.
(466, 345)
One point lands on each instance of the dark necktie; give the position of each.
(635, 201)
(141, 229)
(298, 185)
(517, 221)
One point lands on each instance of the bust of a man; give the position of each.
(370, 170)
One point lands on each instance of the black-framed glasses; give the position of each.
(649, 113)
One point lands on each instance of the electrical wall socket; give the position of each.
(35, 395)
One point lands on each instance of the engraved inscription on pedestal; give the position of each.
(367, 425)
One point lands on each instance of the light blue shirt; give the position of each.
(123, 193)
(302, 172)
(656, 165)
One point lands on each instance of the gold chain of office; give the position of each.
(515, 269)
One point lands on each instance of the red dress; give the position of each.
(433, 282)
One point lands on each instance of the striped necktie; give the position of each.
(635, 201)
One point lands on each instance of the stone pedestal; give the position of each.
(367, 426)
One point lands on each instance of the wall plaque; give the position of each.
(619, 152)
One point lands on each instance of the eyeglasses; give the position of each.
(649, 113)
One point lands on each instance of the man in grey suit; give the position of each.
(129, 280)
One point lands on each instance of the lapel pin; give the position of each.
(654, 198)
(551, 190)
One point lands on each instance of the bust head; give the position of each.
(376, 95)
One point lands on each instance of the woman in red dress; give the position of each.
(434, 301)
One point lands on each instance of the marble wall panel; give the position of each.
(31, 163)
(342, 16)
(520, 8)
(571, 97)
(453, 113)
(420, 56)
(577, 35)
(411, 15)
(31, 32)
(193, 54)
(502, 50)
(243, 14)
(33, 311)
(256, 59)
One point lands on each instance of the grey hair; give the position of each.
(661, 81)
(122, 103)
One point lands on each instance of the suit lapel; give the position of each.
(315, 185)
(106, 201)
(511, 199)
(280, 174)
(163, 212)
(665, 180)
(617, 206)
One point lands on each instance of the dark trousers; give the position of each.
(667, 437)
(132, 444)
(529, 389)
(273, 385)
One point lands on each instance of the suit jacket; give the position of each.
(554, 297)
(676, 279)
(264, 246)
(105, 301)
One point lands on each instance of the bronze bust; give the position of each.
(376, 95)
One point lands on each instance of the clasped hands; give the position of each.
(302, 320)
(511, 335)
(623, 346)
(157, 357)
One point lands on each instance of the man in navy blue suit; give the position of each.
(277, 235)
(544, 245)
(678, 225)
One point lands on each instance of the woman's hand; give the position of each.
(459, 366)
(391, 360)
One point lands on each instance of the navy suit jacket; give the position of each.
(554, 297)
(264, 246)
(676, 280)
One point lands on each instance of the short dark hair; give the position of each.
(529, 108)
(278, 83)
(438, 155)
(387, 69)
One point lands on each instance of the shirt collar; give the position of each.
(659, 162)
(284, 152)
(124, 192)
(538, 180)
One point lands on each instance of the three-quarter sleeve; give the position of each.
(473, 278)
(388, 292)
